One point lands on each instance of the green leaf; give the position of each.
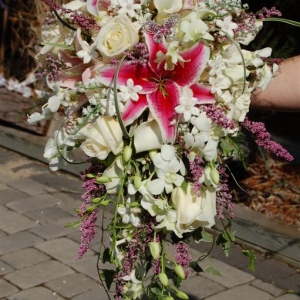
(212, 270)
(195, 266)
(108, 276)
(73, 224)
(62, 46)
(206, 237)
(200, 235)
(252, 258)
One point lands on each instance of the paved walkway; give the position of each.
(38, 254)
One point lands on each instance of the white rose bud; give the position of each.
(179, 271)
(182, 295)
(137, 182)
(102, 137)
(103, 179)
(214, 175)
(154, 249)
(127, 154)
(163, 279)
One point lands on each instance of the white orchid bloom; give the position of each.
(167, 166)
(129, 215)
(131, 277)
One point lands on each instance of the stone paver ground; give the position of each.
(38, 254)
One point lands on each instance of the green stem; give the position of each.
(163, 256)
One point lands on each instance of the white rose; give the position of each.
(116, 36)
(102, 137)
(192, 211)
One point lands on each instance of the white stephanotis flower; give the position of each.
(129, 7)
(217, 65)
(88, 52)
(167, 165)
(129, 91)
(187, 105)
(129, 214)
(227, 26)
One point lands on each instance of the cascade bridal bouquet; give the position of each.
(155, 94)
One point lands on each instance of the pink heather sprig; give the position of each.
(268, 13)
(263, 139)
(196, 171)
(85, 22)
(88, 232)
(135, 252)
(92, 190)
(273, 60)
(218, 116)
(246, 24)
(52, 70)
(223, 198)
(183, 257)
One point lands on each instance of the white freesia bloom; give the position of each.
(193, 211)
(116, 36)
(167, 165)
(102, 137)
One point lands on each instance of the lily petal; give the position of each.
(153, 49)
(140, 74)
(196, 60)
(162, 106)
(202, 93)
(133, 109)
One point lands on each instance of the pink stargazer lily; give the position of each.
(161, 88)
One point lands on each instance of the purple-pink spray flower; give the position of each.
(263, 139)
